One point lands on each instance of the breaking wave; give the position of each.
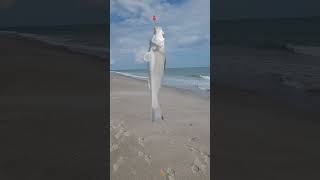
(205, 77)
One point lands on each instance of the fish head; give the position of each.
(159, 32)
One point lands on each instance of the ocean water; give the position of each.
(276, 57)
(194, 79)
(87, 39)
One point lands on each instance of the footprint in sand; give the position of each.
(141, 141)
(118, 126)
(205, 156)
(201, 160)
(112, 126)
(191, 148)
(114, 147)
(207, 159)
(195, 169)
(118, 163)
(170, 174)
(193, 139)
(147, 158)
(119, 133)
(126, 133)
(198, 167)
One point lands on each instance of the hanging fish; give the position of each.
(156, 57)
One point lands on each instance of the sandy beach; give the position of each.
(52, 112)
(140, 149)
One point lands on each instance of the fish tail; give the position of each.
(156, 114)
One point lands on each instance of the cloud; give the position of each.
(186, 26)
(7, 3)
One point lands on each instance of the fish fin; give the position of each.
(150, 45)
(165, 63)
(147, 57)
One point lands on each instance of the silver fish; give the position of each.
(156, 57)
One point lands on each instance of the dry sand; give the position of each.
(140, 148)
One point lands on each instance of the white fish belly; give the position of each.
(156, 74)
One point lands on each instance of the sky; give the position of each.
(52, 12)
(186, 24)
